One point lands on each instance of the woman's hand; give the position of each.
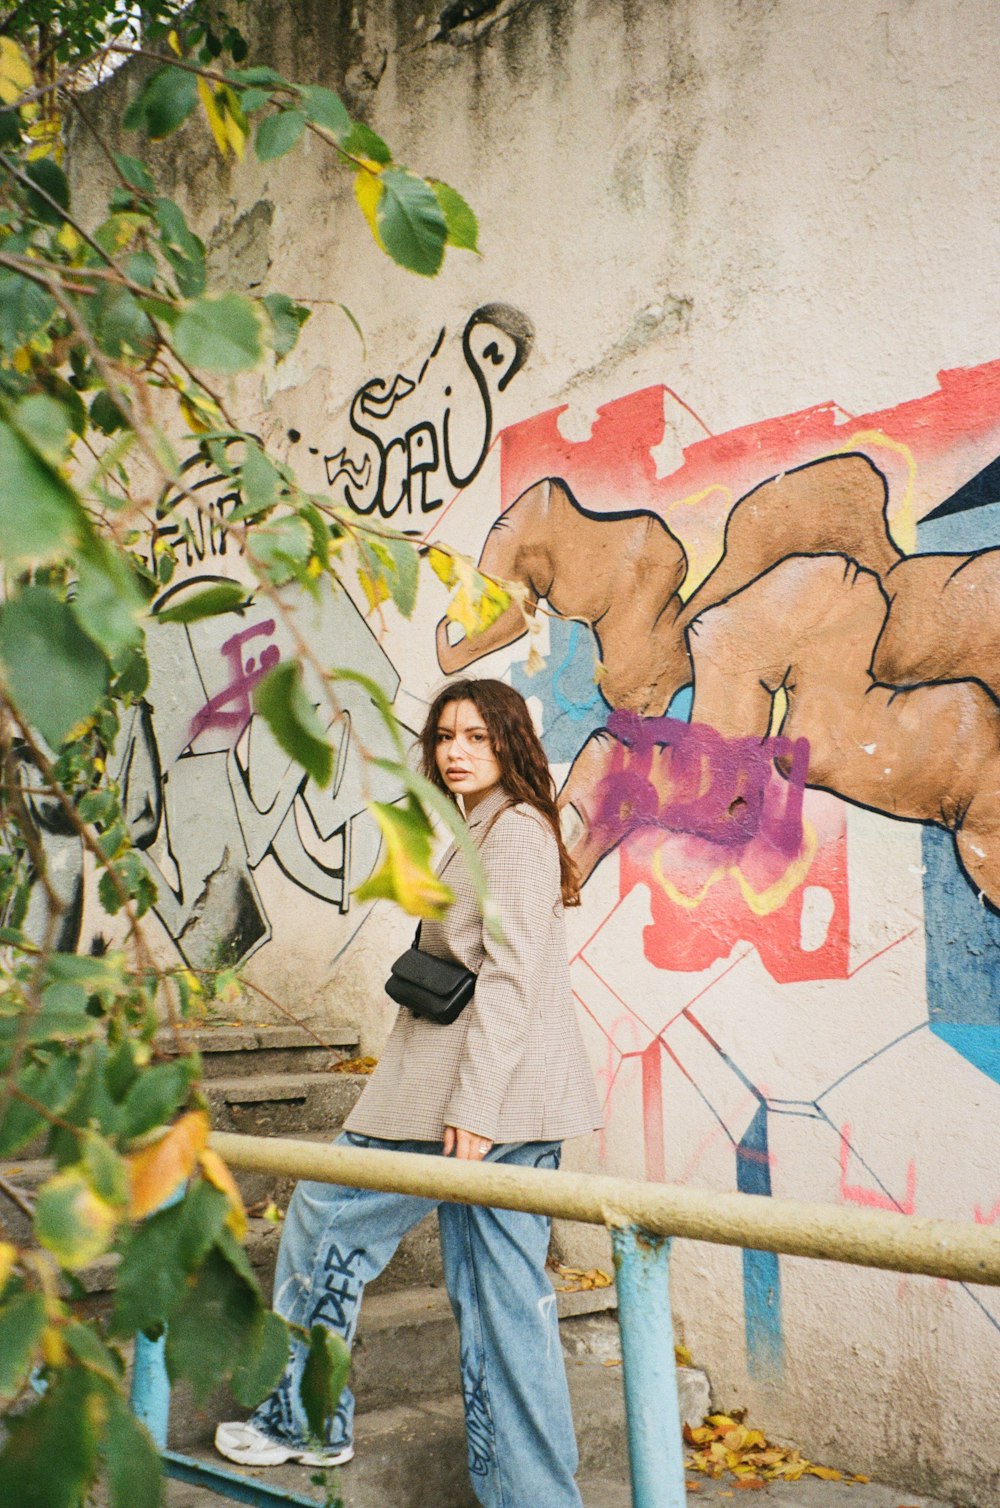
(465, 1144)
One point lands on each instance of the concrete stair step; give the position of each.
(232, 1051)
(407, 1348)
(283, 1104)
(412, 1454)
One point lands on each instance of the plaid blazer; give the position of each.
(513, 1067)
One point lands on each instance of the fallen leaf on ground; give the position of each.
(612, 1361)
(682, 1356)
(580, 1281)
(724, 1443)
(355, 1065)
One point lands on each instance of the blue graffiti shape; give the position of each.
(761, 1274)
(338, 1302)
(572, 705)
(479, 1431)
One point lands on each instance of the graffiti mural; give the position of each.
(772, 688)
(195, 750)
(415, 440)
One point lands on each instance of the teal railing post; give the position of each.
(150, 1396)
(656, 1455)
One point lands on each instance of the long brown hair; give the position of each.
(524, 770)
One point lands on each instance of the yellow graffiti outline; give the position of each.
(762, 902)
(902, 525)
(696, 574)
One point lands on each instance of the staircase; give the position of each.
(280, 1081)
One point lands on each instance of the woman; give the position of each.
(507, 1081)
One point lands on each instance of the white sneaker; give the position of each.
(245, 1444)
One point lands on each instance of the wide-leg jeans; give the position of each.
(519, 1430)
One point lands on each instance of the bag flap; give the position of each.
(439, 975)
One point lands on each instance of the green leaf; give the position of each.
(264, 1358)
(45, 424)
(53, 185)
(323, 1376)
(25, 308)
(50, 1081)
(362, 142)
(134, 878)
(277, 134)
(72, 1220)
(87, 1346)
(281, 700)
(135, 172)
(133, 679)
(105, 414)
(39, 513)
(159, 1255)
(324, 108)
(132, 1462)
(105, 1169)
(141, 267)
(463, 227)
(287, 318)
(121, 325)
(155, 1097)
(51, 1451)
(223, 597)
(258, 480)
(182, 248)
(164, 102)
(56, 674)
(22, 1320)
(208, 1328)
(108, 602)
(255, 75)
(221, 334)
(411, 222)
(282, 547)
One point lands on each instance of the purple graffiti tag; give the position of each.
(231, 708)
(688, 778)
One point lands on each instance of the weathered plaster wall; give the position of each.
(753, 251)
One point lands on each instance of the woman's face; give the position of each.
(464, 754)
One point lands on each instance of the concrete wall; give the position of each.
(731, 358)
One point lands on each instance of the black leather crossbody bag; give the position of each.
(434, 988)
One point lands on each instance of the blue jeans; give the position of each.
(519, 1429)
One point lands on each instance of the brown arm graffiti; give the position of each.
(810, 626)
(619, 573)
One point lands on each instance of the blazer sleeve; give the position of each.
(522, 866)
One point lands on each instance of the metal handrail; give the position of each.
(642, 1219)
(868, 1238)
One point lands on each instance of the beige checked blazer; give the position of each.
(513, 1066)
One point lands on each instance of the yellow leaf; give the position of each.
(175, 43)
(16, 75)
(368, 190)
(53, 1347)
(234, 120)
(72, 1221)
(825, 1473)
(355, 1065)
(405, 875)
(8, 1256)
(215, 116)
(683, 1357)
(442, 565)
(272, 1214)
(215, 1170)
(158, 1171)
(376, 588)
(68, 239)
